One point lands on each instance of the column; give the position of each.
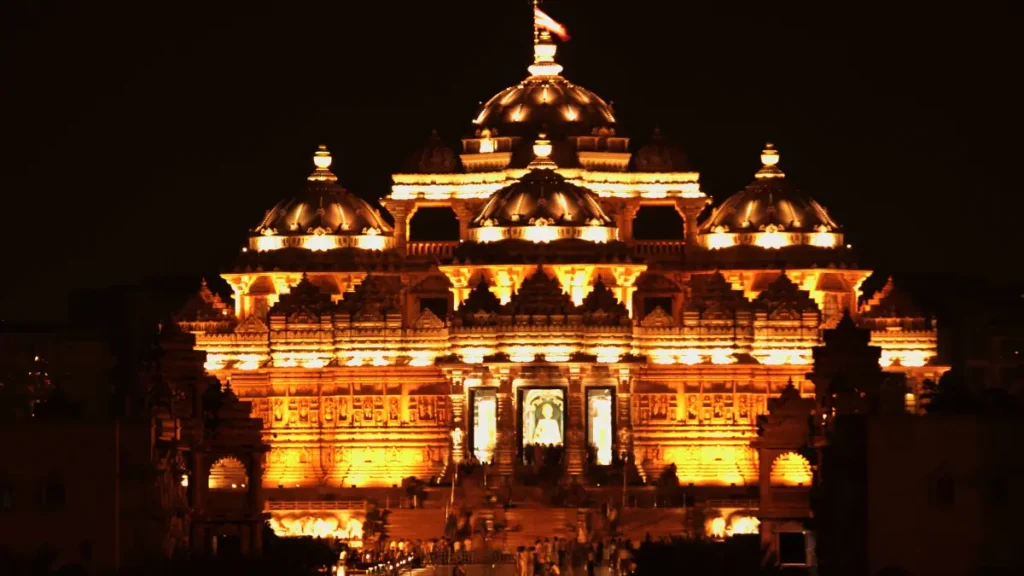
(505, 450)
(690, 209)
(464, 214)
(574, 448)
(458, 431)
(627, 213)
(400, 211)
(623, 420)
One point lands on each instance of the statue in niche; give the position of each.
(367, 408)
(547, 430)
(328, 410)
(343, 409)
(394, 409)
(426, 409)
(278, 410)
(719, 409)
(691, 407)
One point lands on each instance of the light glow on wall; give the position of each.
(908, 358)
(319, 526)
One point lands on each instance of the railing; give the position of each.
(315, 505)
(445, 249)
(658, 248)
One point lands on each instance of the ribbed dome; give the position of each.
(770, 213)
(325, 206)
(542, 206)
(434, 157)
(549, 104)
(769, 202)
(659, 156)
(542, 193)
(321, 216)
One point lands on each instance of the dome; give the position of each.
(322, 216)
(434, 157)
(545, 102)
(770, 213)
(658, 156)
(542, 206)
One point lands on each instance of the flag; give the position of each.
(548, 23)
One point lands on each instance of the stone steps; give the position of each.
(525, 525)
(416, 524)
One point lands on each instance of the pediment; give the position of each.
(658, 318)
(252, 324)
(428, 320)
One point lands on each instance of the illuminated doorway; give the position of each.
(601, 423)
(543, 416)
(484, 433)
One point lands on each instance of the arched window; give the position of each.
(790, 469)
(228, 473)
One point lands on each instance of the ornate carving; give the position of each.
(304, 303)
(784, 300)
(372, 299)
(428, 321)
(539, 295)
(658, 318)
(252, 325)
(602, 307)
(713, 298)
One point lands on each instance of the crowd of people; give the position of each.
(546, 557)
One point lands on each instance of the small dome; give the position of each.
(433, 158)
(542, 206)
(322, 216)
(659, 156)
(770, 213)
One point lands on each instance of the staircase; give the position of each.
(421, 523)
(523, 526)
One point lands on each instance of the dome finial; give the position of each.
(542, 153)
(769, 162)
(543, 46)
(322, 160)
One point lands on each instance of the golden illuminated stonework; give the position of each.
(370, 357)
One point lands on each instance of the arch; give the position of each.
(228, 473)
(658, 222)
(433, 224)
(790, 469)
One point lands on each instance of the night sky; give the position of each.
(145, 141)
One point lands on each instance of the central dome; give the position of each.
(541, 207)
(545, 102)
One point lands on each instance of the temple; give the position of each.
(371, 358)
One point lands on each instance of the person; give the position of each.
(547, 431)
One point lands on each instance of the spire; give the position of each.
(322, 160)
(543, 46)
(769, 163)
(542, 154)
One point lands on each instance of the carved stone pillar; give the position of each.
(401, 214)
(626, 216)
(574, 449)
(458, 431)
(690, 210)
(464, 213)
(624, 419)
(505, 453)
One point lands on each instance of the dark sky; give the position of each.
(144, 140)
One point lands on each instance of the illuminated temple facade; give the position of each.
(370, 358)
